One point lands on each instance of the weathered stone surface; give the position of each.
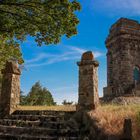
(10, 93)
(88, 82)
(123, 44)
(130, 100)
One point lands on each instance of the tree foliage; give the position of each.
(46, 20)
(65, 102)
(37, 96)
(9, 50)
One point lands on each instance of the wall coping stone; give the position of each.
(11, 68)
(88, 62)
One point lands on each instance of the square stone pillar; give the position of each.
(88, 82)
(10, 93)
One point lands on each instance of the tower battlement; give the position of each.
(123, 29)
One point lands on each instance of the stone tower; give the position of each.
(10, 93)
(88, 82)
(123, 58)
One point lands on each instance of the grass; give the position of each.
(111, 118)
(53, 108)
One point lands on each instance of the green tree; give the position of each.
(35, 92)
(45, 20)
(38, 96)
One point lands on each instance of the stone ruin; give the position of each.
(88, 82)
(123, 59)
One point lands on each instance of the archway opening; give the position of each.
(136, 74)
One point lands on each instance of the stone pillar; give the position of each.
(10, 93)
(88, 82)
(127, 130)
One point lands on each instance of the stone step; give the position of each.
(38, 131)
(24, 137)
(36, 118)
(54, 125)
(28, 137)
(22, 123)
(42, 112)
(37, 125)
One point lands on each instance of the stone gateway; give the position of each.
(123, 59)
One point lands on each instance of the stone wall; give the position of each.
(88, 82)
(123, 45)
(10, 93)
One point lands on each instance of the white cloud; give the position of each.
(117, 7)
(70, 53)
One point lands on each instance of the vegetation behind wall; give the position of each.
(38, 95)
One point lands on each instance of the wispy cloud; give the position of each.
(117, 7)
(70, 53)
(39, 57)
(78, 50)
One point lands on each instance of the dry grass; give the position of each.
(111, 118)
(53, 108)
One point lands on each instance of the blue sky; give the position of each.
(55, 65)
